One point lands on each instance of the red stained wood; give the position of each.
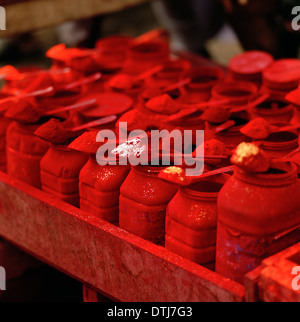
(101, 255)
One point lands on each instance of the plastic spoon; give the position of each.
(41, 92)
(252, 104)
(102, 121)
(84, 81)
(177, 175)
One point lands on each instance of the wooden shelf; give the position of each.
(102, 256)
(27, 16)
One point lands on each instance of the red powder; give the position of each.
(214, 147)
(163, 104)
(251, 158)
(216, 115)
(24, 111)
(86, 143)
(151, 92)
(257, 129)
(122, 81)
(54, 131)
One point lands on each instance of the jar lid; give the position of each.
(108, 104)
(283, 74)
(251, 62)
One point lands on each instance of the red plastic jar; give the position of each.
(203, 79)
(142, 57)
(4, 123)
(258, 217)
(281, 77)
(143, 202)
(99, 188)
(232, 137)
(279, 145)
(24, 153)
(172, 72)
(60, 168)
(191, 224)
(283, 112)
(237, 93)
(249, 66)
(112, 52)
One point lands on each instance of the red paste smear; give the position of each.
(24, 111)
(163, 104)
(216, 115)
(251, 158)
(257, 129)
(54, 131)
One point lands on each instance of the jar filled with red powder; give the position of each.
(281, 77)
(143, 202)
(232, 137)
(99, 186)
(24, 153)
(259, 215)
(274, 111)
(173, 71)
(191, 224)
(143, 56)
(60, 168)
(279, 145)
(203, 79)
(249, 66)
(112, 52)
(237, 93)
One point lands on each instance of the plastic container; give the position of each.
(203, 79)
(258, 216)
(143, 56)
(60, 168)
(112, 52)
(24, 152)
(100, 189)
(249, 66)
(232, 137)
(143, 203)
(191, 223)
(274, 111)
(237, 93)
(279, 145)
(172, 72)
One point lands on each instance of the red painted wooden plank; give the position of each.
(101, 255)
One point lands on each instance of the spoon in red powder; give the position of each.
(177, 175)
(58, 132)
(259, 129)
(126, 81)
(25, 110)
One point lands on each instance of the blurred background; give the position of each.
(218, 29)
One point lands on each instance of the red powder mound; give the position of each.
(163, 104)
(122, 81)
(214, 147)
(86, 143)
(216, 115)
(24, 111)
(151, 92)
(53, 131)
(251, 158)
(257, 129)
